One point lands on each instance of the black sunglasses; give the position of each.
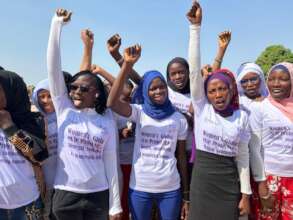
(82, 88)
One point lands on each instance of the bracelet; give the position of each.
(120, 61)
(218, 61)
(186, 201)
(266, 197)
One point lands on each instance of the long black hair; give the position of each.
(18, 104)
(101, 100)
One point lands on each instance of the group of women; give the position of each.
(201, 144)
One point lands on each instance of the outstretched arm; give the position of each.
(87, 38)
(223, 40)
(113, 45)
(131, 55)
(56, 79)
(196, 81)
(102, 72)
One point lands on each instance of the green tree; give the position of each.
(272, 55)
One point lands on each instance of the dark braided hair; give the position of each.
(101, 100)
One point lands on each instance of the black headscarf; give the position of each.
(67, 79)
(101, 101)
(182, 61)
(18, 104)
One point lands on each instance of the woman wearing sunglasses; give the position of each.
(252, 88)
(86, 182)
(251, 84)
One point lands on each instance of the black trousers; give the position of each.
(76, 206)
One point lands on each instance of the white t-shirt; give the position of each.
(218, 135)
(245, 102)
(126, 145)
(50, 164)
(87, 161)
(83, 136)
(219, 131)
(182, 103)
(17, 182)
(154, 167)
(275, 132)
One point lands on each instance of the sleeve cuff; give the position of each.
(115, 210)
(194, 27)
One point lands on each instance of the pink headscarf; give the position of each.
(284, 105)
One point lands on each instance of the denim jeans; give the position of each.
(168, 203)
(31, 211)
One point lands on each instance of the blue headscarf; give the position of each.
(141, 96)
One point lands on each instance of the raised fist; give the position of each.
(194, 15)
(64, 13)
(87, 37)
(224, 39)
(114, 43)
(132, 54)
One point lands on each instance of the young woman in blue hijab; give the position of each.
(159, 144)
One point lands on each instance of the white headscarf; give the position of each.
(251, 68)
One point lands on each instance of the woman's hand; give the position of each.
(194, 15)
(65, 14)
(267, 200)
(113, 44)
(87, 38)
(116, 216)
(224, 39)
(244, 205)
(184, 210)
(132, 54)
(96, 69)
(206, 70)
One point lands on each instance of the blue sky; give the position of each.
(160, 26)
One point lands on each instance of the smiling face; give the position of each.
(158, 91)
(45, 101)
(83, 92)
(178, 75)
(3, 101)
(251, 84)
(279, 84)
(218, 94)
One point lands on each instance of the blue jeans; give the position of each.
(32, 210)
(169, 204)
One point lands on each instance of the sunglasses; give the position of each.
(82, 88)
(253, 80)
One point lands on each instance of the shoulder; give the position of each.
(242, 115)
(179, 117)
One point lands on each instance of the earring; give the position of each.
(97, 95)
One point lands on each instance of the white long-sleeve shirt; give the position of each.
(255, 154)
(86, 149)
(213, 133)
